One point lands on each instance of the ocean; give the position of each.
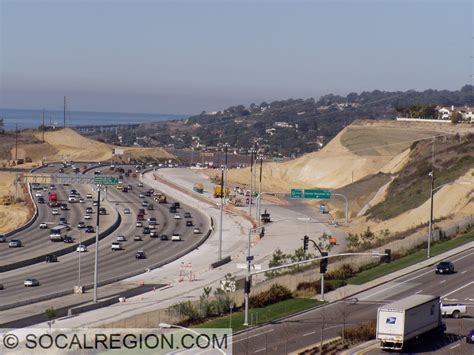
(34, 118)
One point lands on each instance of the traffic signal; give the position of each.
(388, 256)
(323, 264)
(305, 243)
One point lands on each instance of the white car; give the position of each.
(31, 282)
(38, 194)
(81, 248)
(116, 246)
(196, 231)
(72, 199)
(89, 196)
(140, 184)
(87, 216)
(139, 224)
(55, 211)
(176, 237)
(141, 195)
(121, 238)
(126, 211)
(81, 200)
(43, 225)
(177, 216)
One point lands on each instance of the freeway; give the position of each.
(64, 275)
(36, 241)
(327, 322)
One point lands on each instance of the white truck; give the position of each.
(453, 310)
(400, 321)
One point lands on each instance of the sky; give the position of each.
(189, 56)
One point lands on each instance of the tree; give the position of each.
(456, 117)
(1, 125)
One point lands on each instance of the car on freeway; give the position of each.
(137, 238)
(55, 211)
(89, 196)
(40, 200)
(126, 211)
(72, 199)
(140, 255)
(45, 188)
(145, 204)
(187, 215)
(125, 189)
(129, 187)
(62, 220)
(141, 195)
(139, 224)
(116, 246)
(153, 234)
(152, 221)
(89, 210)
(97, 172)
(63, 206)
(146, 230)
(95, 203)
(31, 283)
(89, 229)
(121, 238)
(2, 287)
(189, 223)
(140, 184)
(176, 205)
(51, 258)
(81, 248)
(81, 200)
(196, 231)
(470, 337)
(52, 187)
(445, 267)
(177, 216)
(67, 239)
(148, 193)
(43, 225)
(150, 207)
(81, 224)
(87, 216)
(38, 194)
(15, 243)
(102, 211)
(61, 171)
(3, 239)
(164, 237)
(176, 237)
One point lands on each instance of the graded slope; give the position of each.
(13, 215)
(361, 149)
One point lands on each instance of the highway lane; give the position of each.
(306, 329)
(64, 274)
(35, 240)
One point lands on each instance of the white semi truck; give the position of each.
(400, 321)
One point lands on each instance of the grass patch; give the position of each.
(261, 315)
(410, 259)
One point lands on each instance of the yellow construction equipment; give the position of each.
(218, 191)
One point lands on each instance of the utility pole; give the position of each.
(96, 258)
(43, 126)
(252, 150)
(430, 225)
(64, 116)
(222, 213)
(16, 142)
(259, 207)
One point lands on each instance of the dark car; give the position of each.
(148, 194)
(102, 210)
(63, 220)
(187, 215)
(172, 209)
(125, 189)
(146, 230)
(63, 206)
(150, 207)
(40, 200)
(67, 239)
(89, 229)
(3, 239)
(164, 237)
(81, 225)
(89, 210)
(61, 171)
(470, 337)
(140, 255)
(189, 223)
(445, 267)
(176, 205)
(51, 258)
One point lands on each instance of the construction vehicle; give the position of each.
(219, 192)
(198, 187)
(159, 197)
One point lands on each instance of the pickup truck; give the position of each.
(453, 310)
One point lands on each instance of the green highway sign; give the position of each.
(296, 193)
(106, 180)
(317, 194)
(311, 194)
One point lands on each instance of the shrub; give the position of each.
(315, 286)
(275, 294)
(359, 333)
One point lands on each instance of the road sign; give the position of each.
(296, 193)
(250, 258)
(117, 151)
(106, 180)
(317, 194)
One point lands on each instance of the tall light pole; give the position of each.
(252, 152)
(430, 225)
(259, 207)
(96, 258)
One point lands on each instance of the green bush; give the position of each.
(275, 294)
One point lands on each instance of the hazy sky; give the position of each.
(188, 56)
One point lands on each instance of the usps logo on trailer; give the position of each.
(391, 320)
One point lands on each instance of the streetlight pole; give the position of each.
(430, 225)
(223, 187)
(252, 151)
(259, 206)
(96, 258)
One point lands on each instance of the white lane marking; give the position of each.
(410, 279)
(306, 334)
(455, 346)
(458, 289)
(253, 336)
(258, 351)
(451, 299)
(463, 272)
(442, 282)
(417, 292)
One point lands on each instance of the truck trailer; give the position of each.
(400, 321)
